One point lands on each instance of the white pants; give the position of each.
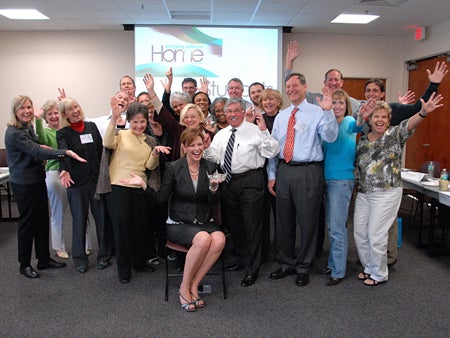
(374, 214)
(60, 211)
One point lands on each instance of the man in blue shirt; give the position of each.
(300, 179)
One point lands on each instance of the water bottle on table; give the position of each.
(443, 180)
(430, 170)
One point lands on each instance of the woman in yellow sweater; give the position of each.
(127, 205)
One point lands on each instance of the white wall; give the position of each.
(437, 41)
(354, 56)
(89, 64)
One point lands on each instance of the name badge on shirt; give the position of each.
(86, 138)
(300, 127)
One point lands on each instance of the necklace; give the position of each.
(194, 173)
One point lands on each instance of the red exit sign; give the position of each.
(419, 33)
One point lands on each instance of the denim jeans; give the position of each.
(338, 196)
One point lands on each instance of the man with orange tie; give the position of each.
(298, 174)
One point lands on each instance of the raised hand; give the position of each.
(38, 113)
(116, 108)
(250, 115)
(149, 82)
(204, 83)
(407, 98)
(260, 122)
(431, 104)
(440, 70)
(62, 94)
(365, 110)
(169, 74)
(326, 102)
(293, 52)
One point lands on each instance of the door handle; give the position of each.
(425, 144)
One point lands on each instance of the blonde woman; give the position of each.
(27, 177)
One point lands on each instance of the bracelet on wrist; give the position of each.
(422, 116)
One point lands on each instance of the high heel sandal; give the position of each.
(198, 302)
(188, 306)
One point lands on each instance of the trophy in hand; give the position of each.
(214, 180)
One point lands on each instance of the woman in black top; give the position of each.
(27, 177)
(80, 179)
(191, 197)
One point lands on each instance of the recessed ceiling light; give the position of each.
(190, 15)
(23, 14)
(354, 18)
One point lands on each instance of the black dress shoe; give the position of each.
(29, 272)
(146, 267)
(234, 267)
(281, 273)
(302, 279)
(81, 268)
(325, 271)
(333, 281)
(102, 265)
(50, 264)
(249, 279)
(124, 280)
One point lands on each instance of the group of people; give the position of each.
(184, 168)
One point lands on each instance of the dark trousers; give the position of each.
(80, 198)
(32, 203)
(155, 233)
(128, 209)
(299, 194)
(242, 204)
(268, 210)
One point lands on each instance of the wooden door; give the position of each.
(431, 139)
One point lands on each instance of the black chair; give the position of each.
(437, 168)
(179, 248)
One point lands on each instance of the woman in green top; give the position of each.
(57, 194)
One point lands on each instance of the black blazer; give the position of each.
(186, 205)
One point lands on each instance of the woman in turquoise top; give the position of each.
(57, 194)
(339, 178)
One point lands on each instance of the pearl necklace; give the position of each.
(193, 173)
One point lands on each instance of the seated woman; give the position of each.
(190, 222)
(378, 164)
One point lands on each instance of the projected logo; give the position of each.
(186, 49)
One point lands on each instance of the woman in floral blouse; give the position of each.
(378, 163)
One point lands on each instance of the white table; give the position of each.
(415, 181)
(4, 180)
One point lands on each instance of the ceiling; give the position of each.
(398, 17)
